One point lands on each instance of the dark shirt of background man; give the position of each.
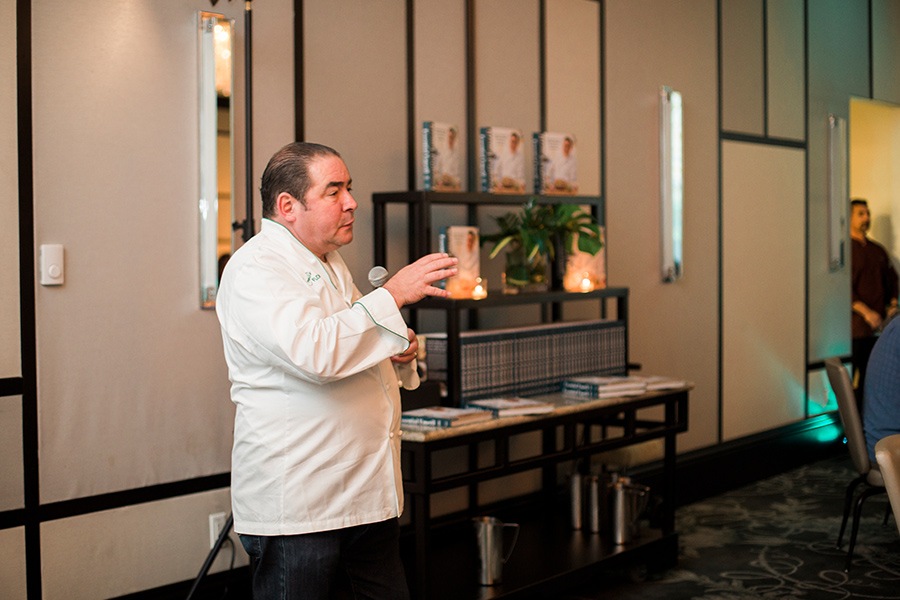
(874, 282)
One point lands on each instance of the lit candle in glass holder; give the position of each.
(479, 292)
(586, 285)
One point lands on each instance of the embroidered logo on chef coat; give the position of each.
(311, 278)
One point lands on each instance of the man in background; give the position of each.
(316, 368)
(874, 285)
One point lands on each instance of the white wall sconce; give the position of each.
(671, 184)
(838, 192)
(216, 146)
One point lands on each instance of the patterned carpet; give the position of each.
(773, 539)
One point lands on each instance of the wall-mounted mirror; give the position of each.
(838, 191)
(671, 188)
(216, 34)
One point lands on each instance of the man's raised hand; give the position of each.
(415, 281)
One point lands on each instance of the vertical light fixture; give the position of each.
(838, 192)
(215, 147)
(671, 184)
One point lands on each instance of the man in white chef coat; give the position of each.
(316, 367)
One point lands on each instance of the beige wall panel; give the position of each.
(10, 350)
(763, 369)
(875, 168)
(12, 483)
(886, 50)
(785, 68)
(12, 563)
(273, 97)
(355, 69)
(838, 68)
(573, 82)
(742, 66)
(507, 63)
(674, 327)
(440, 59)
(133, 385)
(139, 547)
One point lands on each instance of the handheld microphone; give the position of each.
(378, 276)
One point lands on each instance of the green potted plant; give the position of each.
(540, 233)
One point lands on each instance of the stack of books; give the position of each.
(604, 387)
(443, 416)
(655, 382)
(616, 386)
(510, 407)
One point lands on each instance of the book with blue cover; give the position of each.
(442, 157)
(443, 416)
(610, 386)
(512, 406)
(502, 160)
(555, 163)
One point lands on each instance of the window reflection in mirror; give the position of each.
(216, 34)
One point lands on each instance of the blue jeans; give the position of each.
(356, 563)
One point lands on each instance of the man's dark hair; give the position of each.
(858, 202)
(288, 171)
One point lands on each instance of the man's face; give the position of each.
(566, 147)
(513, 143)
(859, 219)
(451, 139)
(326, 223)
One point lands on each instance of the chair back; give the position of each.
(839, 378)
(887, 453)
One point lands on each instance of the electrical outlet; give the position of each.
(216, 523)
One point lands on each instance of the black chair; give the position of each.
(869, 473)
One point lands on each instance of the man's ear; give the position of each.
(286, 206)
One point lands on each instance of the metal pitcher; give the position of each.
(628, 502)
(489, 536)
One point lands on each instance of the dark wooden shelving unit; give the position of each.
(549, 553)
(419, 205)
(441, 559)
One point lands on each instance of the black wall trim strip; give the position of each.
(299, 79)
(153, 493)
(806, 245)
(471, 116)
(411, 124)
(12, 386)
(601, 27)
(765, 52)
(12, 518)
(871, 54)
(542, 63)
(25, 141)
(819, 365)
(720, 359)
(756, 139)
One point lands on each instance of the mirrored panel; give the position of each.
(671, 192)
(838, 191)
(216, 34)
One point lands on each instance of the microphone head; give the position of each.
(378, 276)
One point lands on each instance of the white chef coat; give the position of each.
(317, 422)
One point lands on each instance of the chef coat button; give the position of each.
(392, 434)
